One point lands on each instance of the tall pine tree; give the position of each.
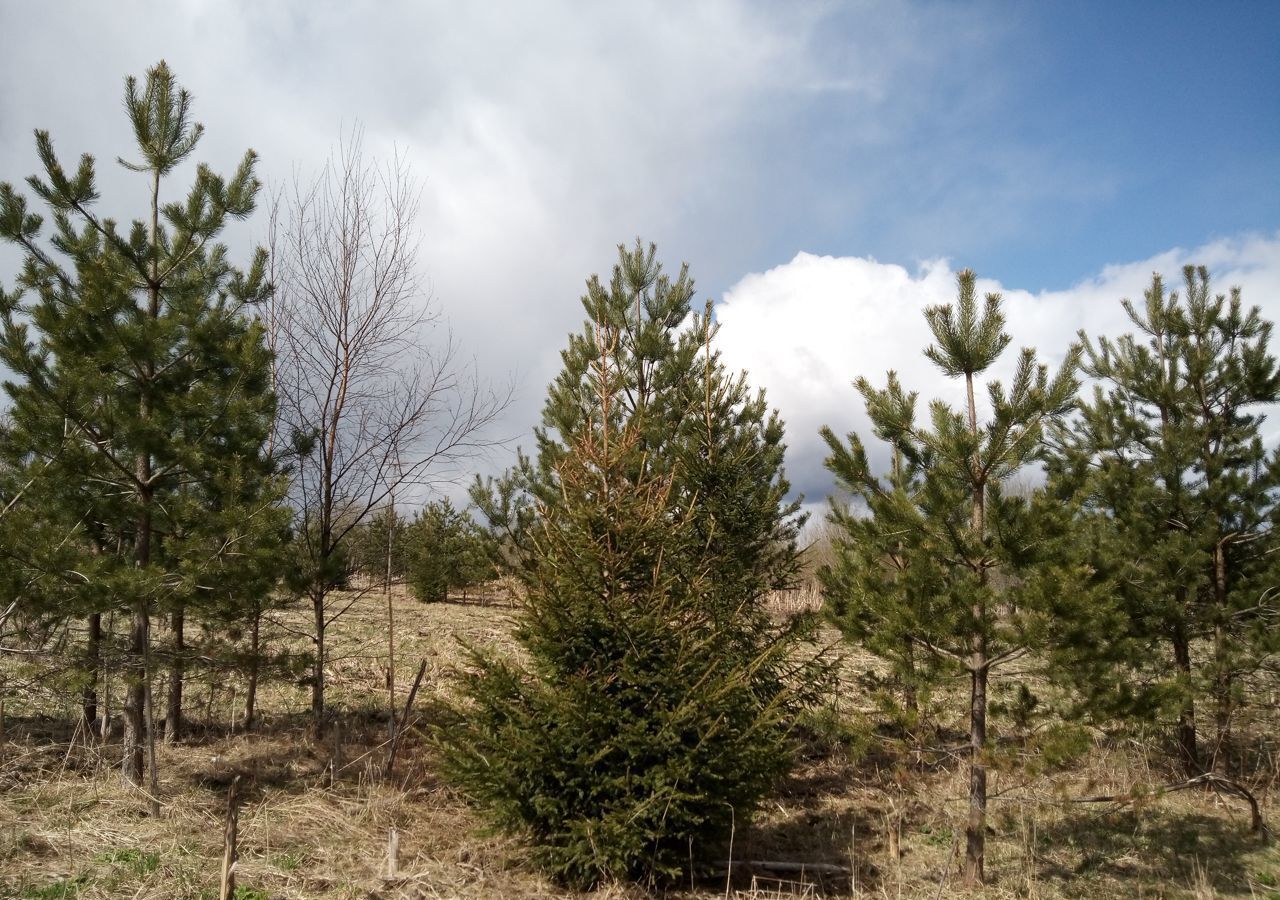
(141, 387)
(1168, 465)
(946, 563)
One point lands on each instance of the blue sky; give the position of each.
(1070, 136)
(824, 167)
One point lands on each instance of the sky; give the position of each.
(825, 168)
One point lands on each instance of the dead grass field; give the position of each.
(70, 829)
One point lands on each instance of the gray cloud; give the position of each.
(732, 133)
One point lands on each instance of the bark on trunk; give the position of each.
(135, 698)
(92, 664)
(1188, 751)
(909, 698)
(251, 690)
(173, 712)
(1222, 680)
(976, 831)
(317, 672)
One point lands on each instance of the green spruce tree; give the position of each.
(656, 703)
(699, 422)
(1178, 495)
(945, 562)
(142, 393)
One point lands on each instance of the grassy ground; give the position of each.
(69, 828)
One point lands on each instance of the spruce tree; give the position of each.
(700, 422)
(1178, 495)
(141, 392)
(655, 705)
(945, 562)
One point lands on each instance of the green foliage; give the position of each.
(63, 889)
(446, 551)
(141, 393)
(935, 552)
(137, 861)
(370, 543)
(1177, 495)
(699, 423)
(941, 571)
(657, 701)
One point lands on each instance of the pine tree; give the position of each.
(142, 393)
(1168, 465)
(946, 562)
(445, 552)
(657, 699)
(378, 547)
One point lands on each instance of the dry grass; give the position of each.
(69, 828)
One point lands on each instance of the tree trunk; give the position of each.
(173, 713)
(92, 664)
(251, 690)
(909, 698)
(976, 832)
(1187, 744)
(317, 671)
(1222, 679)
(140, 633)
(391, 665)
(135, 697)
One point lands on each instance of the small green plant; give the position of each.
(249, 893)
(131, 858)
(288, 862)
(938, 837)
(59, 890)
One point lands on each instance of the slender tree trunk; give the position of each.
(92, 665)
(1222, 678)
(1187, 743)
(391, 531)
(317, 671)
(391, 666)
(153, 774)
(976, 831)
(251, 689)
(104, 731)
(140, 633)
(135, 697)
(173, 713)
(909, 698)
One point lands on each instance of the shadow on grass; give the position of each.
(1148, 846)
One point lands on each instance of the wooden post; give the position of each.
(228, 888)
(393, 855)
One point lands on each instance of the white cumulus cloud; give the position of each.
(806, 329)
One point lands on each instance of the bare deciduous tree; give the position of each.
(373, 409)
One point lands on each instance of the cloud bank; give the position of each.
(804, 330)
